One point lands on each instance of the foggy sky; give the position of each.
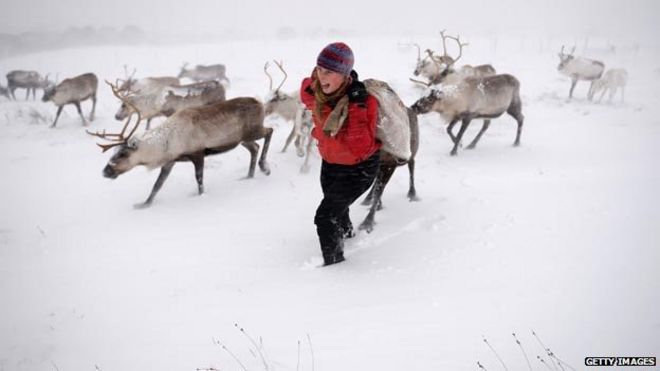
(635, 18)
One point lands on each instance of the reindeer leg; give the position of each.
(450, 127)
(164, 173)
(412, 192)
(602, 95)
(292, 134)
(570, 93)
(148, 124)
(382, 178)
(464, 125)
(77, 104)
(59, 110)
(370, 196)
(520, 119)
(27, 93)
(253, 147)
(481, 132)
(11, 90)
(305, 166)
(299, 143)
(91, 114)
(198, 162)
(263, 165)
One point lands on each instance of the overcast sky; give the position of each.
(628, 18)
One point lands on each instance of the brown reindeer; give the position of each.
(388, 164)
(29, 80)
(189, 135)
(472, 98)
(73, 91)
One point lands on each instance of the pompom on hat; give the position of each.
(337, 57)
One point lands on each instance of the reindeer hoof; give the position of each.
(366, 226)
(413, 198)
(264, 169)
(142, 205)
(471, 146)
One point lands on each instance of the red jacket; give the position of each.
(356, 140)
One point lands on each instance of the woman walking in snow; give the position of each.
(345, 117)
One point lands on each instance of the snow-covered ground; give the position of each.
(560, 236)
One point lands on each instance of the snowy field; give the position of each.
(560, 236)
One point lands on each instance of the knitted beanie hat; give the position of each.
(337, 57)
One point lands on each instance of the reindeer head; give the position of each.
(426, 104)
(564, 58)
(276, 97)
(49, 92)
(123, 159)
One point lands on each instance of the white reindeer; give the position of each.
(291, 108)
(578, 68)
(475, 98)
(611, 81)
(440, 69)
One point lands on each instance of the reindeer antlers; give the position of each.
(280, 66)
(444, 48)
(283, 71)
(569, 54)
(270, 78)
(118, 138)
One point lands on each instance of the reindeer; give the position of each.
(471, 98)
(204, 73)
(291, 108)
(150, 107)
(429, 66)
(189, 135)
(4, 92)
(388, 164)
(29, 80)
(443, 70)
(147, 85)
(579, 69)
(612, 80)
(73, 91)
(198, 94)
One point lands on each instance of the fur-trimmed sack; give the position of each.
(393, 128)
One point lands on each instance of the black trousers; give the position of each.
(342, 185)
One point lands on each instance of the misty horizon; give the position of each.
(295, 18)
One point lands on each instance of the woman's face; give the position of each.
(330, 80)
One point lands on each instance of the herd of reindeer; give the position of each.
(200, 121)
